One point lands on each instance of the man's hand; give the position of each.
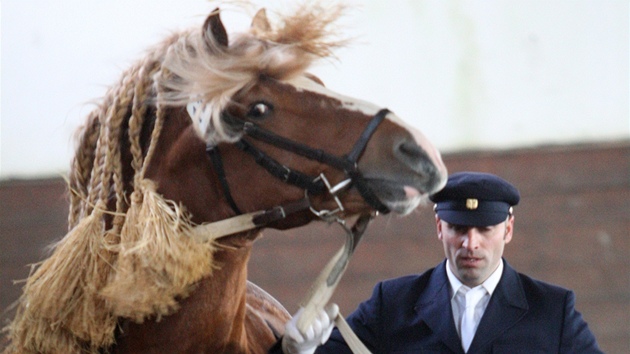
(296, 342)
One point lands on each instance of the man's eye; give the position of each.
(460, 229)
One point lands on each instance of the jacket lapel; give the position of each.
(434, 309)
(506, 307)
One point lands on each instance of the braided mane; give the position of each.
(127, 253)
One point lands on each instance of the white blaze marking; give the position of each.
(349, 103)
(370, 109)
(354, 104)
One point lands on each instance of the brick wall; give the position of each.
(572, 229)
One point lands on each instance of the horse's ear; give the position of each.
(260, 23)
(214, 31)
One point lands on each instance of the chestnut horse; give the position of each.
(202, 130)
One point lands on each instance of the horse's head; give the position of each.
(373, 159)
(282, 135)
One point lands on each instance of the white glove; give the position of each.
(296, 342)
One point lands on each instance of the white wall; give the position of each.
(470, 74)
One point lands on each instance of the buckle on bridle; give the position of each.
(287, 173)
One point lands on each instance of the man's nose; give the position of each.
(471, 239)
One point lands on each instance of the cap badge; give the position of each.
(472, 204)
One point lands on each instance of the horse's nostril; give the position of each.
(410, 150)
(418, 160)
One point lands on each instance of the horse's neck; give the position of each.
(214, 317)
(218, 302)
(211, 319)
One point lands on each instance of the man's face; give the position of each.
(474, 252)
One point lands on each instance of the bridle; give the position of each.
(322, 289)
(312, 185)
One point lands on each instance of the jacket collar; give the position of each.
(434, 309)
(507, 306)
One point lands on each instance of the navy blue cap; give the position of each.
(475, 199)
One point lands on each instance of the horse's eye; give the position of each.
(259, 110)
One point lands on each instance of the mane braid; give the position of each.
(80, 172)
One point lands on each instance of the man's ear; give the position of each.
(509, 229)
(438, 223)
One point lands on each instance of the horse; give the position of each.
(207, 128)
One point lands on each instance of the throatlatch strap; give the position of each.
(217, 162)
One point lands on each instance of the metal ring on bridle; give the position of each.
(329, 215)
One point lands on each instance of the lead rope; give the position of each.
(325, 284)
(348, 335)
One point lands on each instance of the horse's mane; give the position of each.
(123, 236)
(205, 70)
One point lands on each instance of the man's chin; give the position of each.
(470, 276)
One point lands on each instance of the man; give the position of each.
(506, 312)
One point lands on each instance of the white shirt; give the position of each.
(458, 307)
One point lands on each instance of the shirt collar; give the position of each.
(490, 284)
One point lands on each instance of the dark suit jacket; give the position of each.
(412, 314)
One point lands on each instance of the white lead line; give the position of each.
(320, 292)
(218, 229)
(324, 286)
(350, 337)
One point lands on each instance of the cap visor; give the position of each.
(472, 218)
